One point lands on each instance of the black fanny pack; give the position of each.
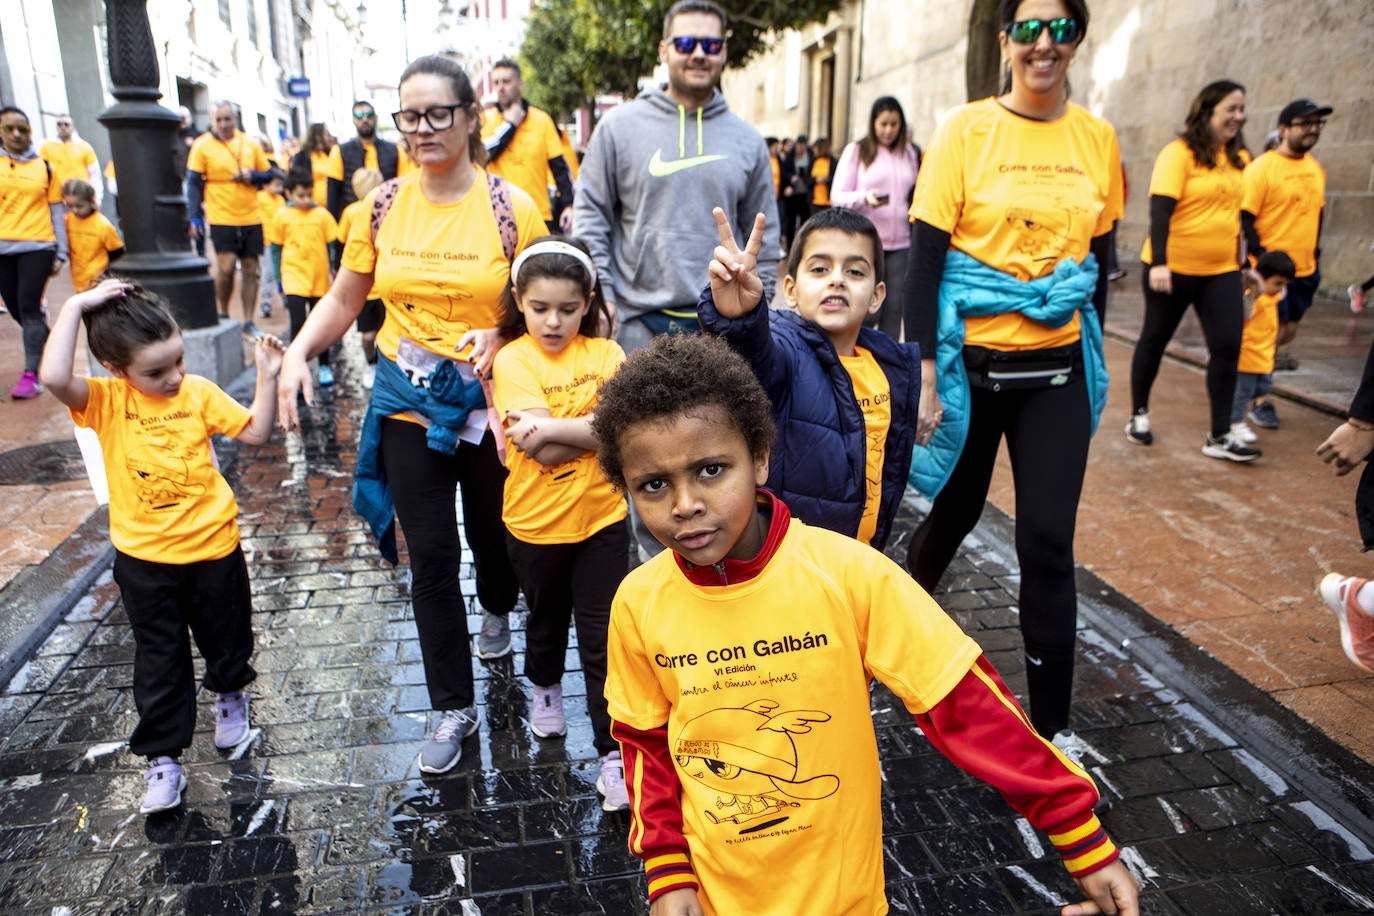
(1014, 370)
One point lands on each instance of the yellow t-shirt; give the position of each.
(525, 161)
(69, 160)
(356, 217)
(1205, 227)
(334, 168)
(90, 241)
(875, 400)
(820, 190)
(439, 268)
(1020, 195)
(405, 165)
(304, 237)
(26, 189)
(228, 202)
(324, 166)
(1260, 336)
(763, 686)
(1286, 196)
(268, 205)
(568, 502)
(168, 503)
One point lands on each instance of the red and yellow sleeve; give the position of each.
(655, 809)
(982, 729)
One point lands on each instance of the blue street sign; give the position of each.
(298, 87)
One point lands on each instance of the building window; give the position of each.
(272, 28)
(224, 12)
(253, 22)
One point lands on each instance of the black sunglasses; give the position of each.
(686, 44)
(1063, 31)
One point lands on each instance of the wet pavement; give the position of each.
(1224, 801)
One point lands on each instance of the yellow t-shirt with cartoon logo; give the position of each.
(439, 268)
(90, 240)
(525, 161)
(1020, 195)
(763, 686)
(875, 400)
(168, 503)
(568, 502)
(1204, 230)
(228, 202)
(26, 189)
(304, 237)
(1260, 337)
(1286, 196)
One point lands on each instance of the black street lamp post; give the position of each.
(152, 201)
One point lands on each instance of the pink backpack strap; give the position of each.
(386, 196)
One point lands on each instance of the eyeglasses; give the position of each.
(360, 114)
(64, 123)
(439, 117)
(1308, 125)
(17, 129)
(1063, 31)
(686, 44)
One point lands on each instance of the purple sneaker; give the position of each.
(27, 387)
(611, 783)
(165, 782)
(231, 719)
(546, 718)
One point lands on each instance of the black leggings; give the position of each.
(423, 484)
(23, 277)
(1220, 307)
(1047, 431)
(298, 307)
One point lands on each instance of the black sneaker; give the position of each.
(1138, 430)
(1229, 448)
(1264, 415)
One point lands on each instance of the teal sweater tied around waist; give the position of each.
(971, 289)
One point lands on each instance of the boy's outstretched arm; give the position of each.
(735, 284)
(60, 352)
(267, 353)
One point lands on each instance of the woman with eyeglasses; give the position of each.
(1194, 255)
(1012, 215)
(33, 239)
(438, 262)
(875, 176)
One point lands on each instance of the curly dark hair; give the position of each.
(117, 330)
(1197, 128)
(675, 374)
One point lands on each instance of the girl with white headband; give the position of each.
(565, 524)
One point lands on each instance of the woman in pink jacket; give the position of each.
(875, 177)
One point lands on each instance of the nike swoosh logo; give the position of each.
(1037, 662)
(660, 169)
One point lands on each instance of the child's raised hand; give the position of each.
(735, 284)
(97, 296)
(267, 353)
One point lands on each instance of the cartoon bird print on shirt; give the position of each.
(162, 478)
(1043, 225)
(749, 757)
(435, 318)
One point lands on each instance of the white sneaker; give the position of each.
(1138, 429)
(369, 374)
(1243, 432)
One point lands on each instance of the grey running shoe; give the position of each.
(443, 749)
(1264, 415)
(494, 640)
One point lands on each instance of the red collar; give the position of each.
(733, 572)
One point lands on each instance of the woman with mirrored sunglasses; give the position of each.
(33, 239)
(1193, 256)
(1011, 220)
(436, 257)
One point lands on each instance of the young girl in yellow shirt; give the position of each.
(565, 523)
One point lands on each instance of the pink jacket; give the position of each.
(889, 172)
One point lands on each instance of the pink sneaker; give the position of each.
(1356, 298)
(27, 387)
(1357, 627)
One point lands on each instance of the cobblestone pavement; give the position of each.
(323, 810)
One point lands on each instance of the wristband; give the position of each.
(1360, 427)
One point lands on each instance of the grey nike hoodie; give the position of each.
(652, 173)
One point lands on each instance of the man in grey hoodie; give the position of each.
(654, 169)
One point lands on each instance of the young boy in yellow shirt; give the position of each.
(844, 396)
(1258, 343)
(270, 200)
(91, 237)
(300, 234)
(739, 662)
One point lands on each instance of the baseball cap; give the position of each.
(1302, 108)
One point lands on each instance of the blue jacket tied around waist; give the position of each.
(819, 462)
(445, 402)
(970, 288)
